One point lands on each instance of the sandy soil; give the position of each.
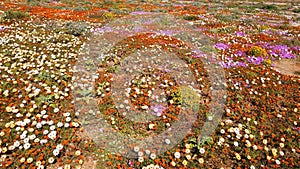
(288, 67)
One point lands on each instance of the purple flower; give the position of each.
(157, 110)
(282, 51)
(240, 53)
(201, 16)
(250, 59)
(270, 32)
(297, 129)
(140, 13)
(2, 28)
(167, 32)
(258, 60)
(229, 63)
(138, 29)
(282, 32)
(225, 65)
(242, 64)
(255, 60)
(148, 22)
(201, 29)
(221, 46)
(288, 56)
(103, 30)
(240, 34)
(198, 54)
(296, 48)
(130, 163)
(164, 69)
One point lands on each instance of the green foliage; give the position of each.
(15, 15)
(226, 18)
(49, 99)
(189, 97)
(190, 17)
(76, 28)
(269, 7)
(261, 5)
(108, 15)
(119, 10)
(252, 74)
(62, 38)
(36, 2)
(82, 8)
(105, 16)
(291, 42)
(200, 143)
(227, 29)
(296, 10)
(232, 5)
(44, 76)
(297, 72)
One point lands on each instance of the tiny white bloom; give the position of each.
(60, 124)
(236, 143)
(68, 119)
(51, 160)
(52, 127)
(202, 150)
(59, 146)
(177, 154)
(29, 160)
(55, 152)
(56, 110)
(152, 156)
(136, 149)
(141, 159)
(45, 132)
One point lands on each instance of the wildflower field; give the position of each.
(42, 48)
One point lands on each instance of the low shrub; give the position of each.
(15, 15)
(76, 28)
(257, 51)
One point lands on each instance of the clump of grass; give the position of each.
(297, 73)
(103, 15)
(226, 18)
(82, 8)
(76, 28)
(108, 16)
(269, 7)
(291, 42)
(190, 17)
(9, 15)
(36, 2)
(119, 10)
(296, 10)
(227, 29)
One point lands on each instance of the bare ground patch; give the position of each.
(288, 67)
